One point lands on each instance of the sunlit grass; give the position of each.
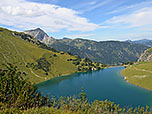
(140, 75)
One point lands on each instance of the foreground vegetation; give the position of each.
(18, 95)
(37, 61)
(139, 74)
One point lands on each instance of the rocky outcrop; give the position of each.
(48, 40)
(146, 56)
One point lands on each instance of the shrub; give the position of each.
(16, 91)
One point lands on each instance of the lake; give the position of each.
(101, 85)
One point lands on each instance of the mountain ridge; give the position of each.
(145, 42)
(106, 52)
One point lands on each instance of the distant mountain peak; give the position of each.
(146, 42)
(129, 41)
(65, 38)
(38, 29)
(40, 35)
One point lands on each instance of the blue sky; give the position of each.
(90, 19)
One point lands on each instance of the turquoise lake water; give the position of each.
(103, 84)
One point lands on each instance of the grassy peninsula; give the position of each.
(139, 74)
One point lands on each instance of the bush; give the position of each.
(16, 91)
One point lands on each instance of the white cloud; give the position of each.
(138, 18)
(23, 14)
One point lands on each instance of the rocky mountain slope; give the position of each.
(106, 52)
(40, 35)
(146, 56)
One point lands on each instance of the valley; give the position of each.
(40, 62)
(55, 72)
(76, 57)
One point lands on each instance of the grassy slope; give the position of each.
(17, 51)
(39, 64)
(140, 75)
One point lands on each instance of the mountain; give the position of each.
(106, 52)
(40, 35)
(146, 56)
(145, 42)
(36, 60)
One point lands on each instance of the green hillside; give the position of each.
(37, 61)
(140, 74)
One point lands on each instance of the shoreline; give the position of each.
(66, 75)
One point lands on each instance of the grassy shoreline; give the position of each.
(133, 83)
(139, 75)
(67, 75)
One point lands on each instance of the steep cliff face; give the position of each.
(146, 56)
